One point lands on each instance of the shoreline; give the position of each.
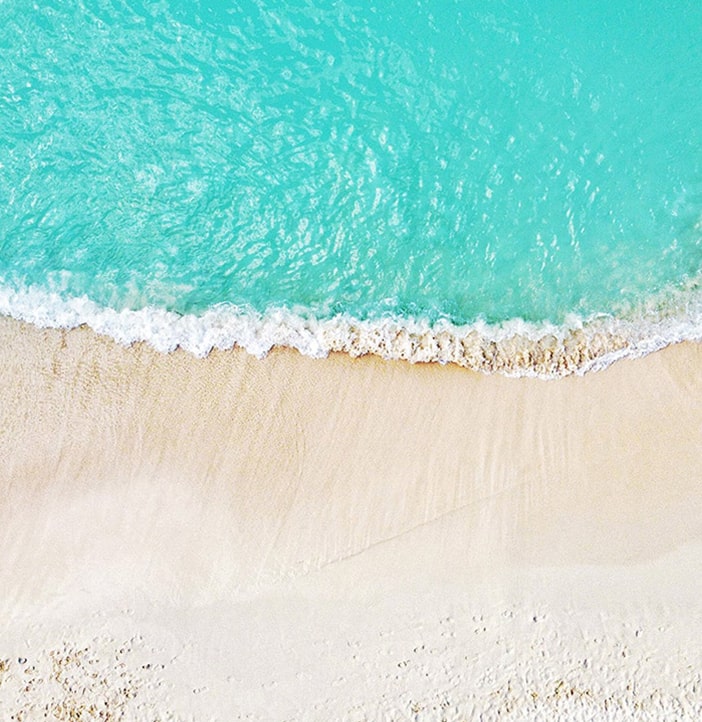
(514, 348)
(340, 502)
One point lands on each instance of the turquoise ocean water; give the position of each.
(416, 179)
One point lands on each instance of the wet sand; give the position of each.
(289, 538)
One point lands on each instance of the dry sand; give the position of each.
(344, 539)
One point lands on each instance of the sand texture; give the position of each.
(344, 539)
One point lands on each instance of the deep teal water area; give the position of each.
(442, 161)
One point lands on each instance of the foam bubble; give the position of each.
(514, 348)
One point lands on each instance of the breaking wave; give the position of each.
(513, 348)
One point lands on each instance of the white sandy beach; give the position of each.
(345, 539)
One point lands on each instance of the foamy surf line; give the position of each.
(515, 348)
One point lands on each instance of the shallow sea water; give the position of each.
(422, 180)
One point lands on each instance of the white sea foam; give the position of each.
(514, 348)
